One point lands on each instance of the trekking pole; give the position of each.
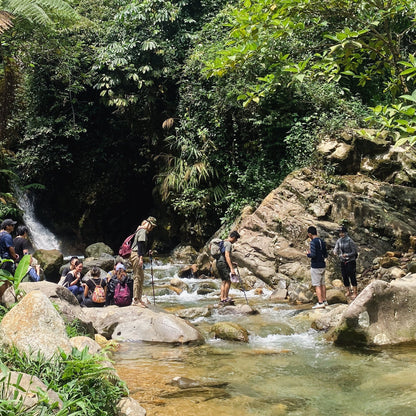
(241, 282)
(151, 273)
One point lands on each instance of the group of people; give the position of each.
(118, 288)
(92, 290)
(346, 250)
(13, 250)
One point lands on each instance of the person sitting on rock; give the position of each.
(95, 289)
(73, 281)
(67, 269)
(120, 290)
(112, 282)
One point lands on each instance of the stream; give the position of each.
(286, 368)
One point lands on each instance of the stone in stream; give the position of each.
(188, 383)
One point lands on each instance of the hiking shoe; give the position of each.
(325, 303)
(319, 306)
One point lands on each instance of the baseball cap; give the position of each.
(152, 221)
(7, 222)
(120, 266)
(342, 229)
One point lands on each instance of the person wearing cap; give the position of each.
(225, 266)
(346, 250)
(138, 251)
(7, 251)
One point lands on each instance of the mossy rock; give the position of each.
(229, 331)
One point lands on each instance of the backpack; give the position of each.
(217, 248)
(122, 295)
(125, 249)
(98, 296)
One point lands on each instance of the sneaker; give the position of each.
(319, 306)
(325, 302)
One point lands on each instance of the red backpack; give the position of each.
(125, 249)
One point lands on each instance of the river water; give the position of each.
(286, 368)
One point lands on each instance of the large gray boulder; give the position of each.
(382, 314)
(133, 323)
(33, 326)
(97, 249)
(66, 302)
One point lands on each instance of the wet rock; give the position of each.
(239, 309)
(187, 272)
(279, 294)
(176, 282)
(330, 319)
(187, 383)
(130, 407)
(229, 331)
(192, 313)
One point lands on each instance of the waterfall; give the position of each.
(40, 236)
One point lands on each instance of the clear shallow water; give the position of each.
(285, 369)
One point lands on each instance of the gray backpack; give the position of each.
(216, 248)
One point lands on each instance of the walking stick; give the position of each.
(151, 273)
(241, 282)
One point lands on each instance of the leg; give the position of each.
(320, 290)
(227, 285)
(345, 278)
(138, 277)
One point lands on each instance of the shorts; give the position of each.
(223, 270)
(318, 276)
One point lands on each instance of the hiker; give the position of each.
(317, 253)
(225, 266)
(21, 242)
(95, 289)
(7, 251)
(68, 269)
(138, 251)
(112, 282)
(120, 289)
(346, 250)
(33, 271)
(73, 281)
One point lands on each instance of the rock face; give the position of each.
(383, 313)
(34, 325)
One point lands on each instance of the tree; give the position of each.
(40, 12)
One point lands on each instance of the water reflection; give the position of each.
(285, 369)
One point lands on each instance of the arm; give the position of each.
(75, 282)
(229, 262)
(86, 288)
(13, 254)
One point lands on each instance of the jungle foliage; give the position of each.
(192, 109)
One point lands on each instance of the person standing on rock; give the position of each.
(346, 250)
(138, 251)
(225, 266)
(317, 253)
(7, 251)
